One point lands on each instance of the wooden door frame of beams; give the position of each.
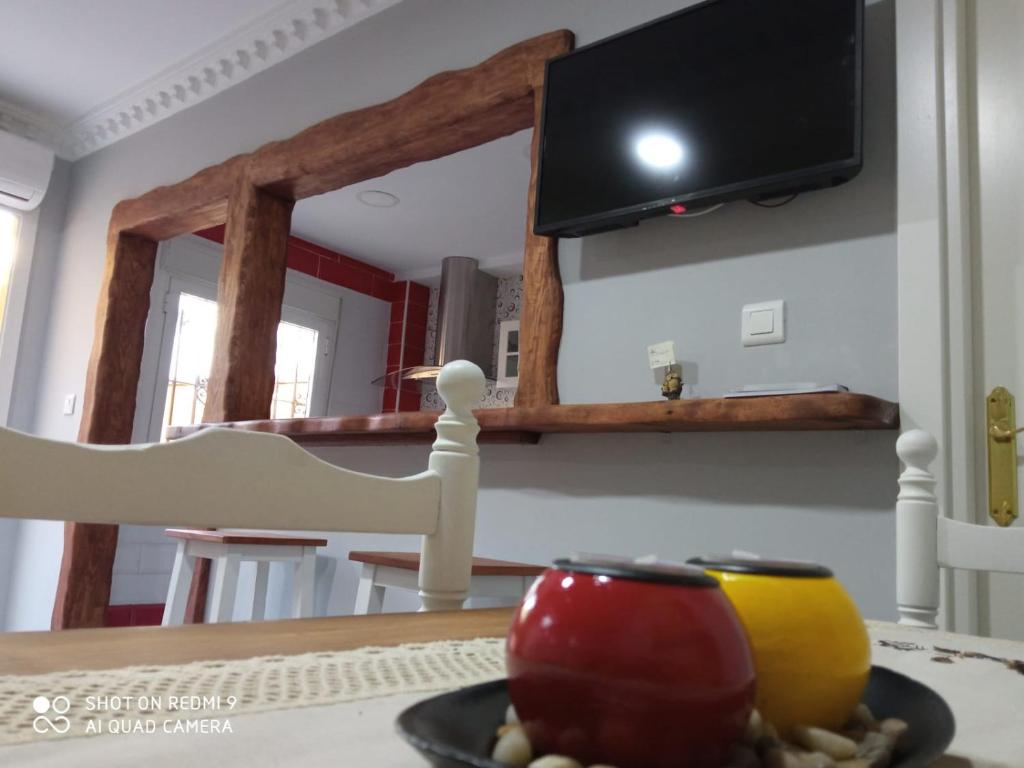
(254, 194)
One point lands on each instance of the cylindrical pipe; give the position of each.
(465, 313)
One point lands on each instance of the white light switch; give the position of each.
(69, 405)
(763, 323)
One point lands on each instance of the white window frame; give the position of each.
(506, 328)
(14, 312)
(168, 285)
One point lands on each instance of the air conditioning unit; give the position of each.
(25, 169)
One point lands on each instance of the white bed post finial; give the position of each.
(447, 556)
(917, 520)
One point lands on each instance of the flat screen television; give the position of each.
(723, 100)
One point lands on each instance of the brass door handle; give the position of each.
(1002, 456)
(1002, 434)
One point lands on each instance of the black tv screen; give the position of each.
(723, 100)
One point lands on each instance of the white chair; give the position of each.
(223, 478)
(927, 541)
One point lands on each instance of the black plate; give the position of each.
(456, 729)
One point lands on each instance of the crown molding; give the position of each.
(29, 125)
(278, 35)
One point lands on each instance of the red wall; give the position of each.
(408, 329)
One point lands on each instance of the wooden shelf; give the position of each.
(831, 411)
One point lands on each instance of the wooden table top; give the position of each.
(243, 537)
(482, 566)
(30, 653)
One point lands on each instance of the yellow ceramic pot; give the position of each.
(811, 650)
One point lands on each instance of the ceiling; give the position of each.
(81, 74)
(472, 203)
(69, 56)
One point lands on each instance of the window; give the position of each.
(508, 354)
(8, 248)
(293, 371)
(192, 356)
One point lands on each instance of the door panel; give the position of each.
(996, 62)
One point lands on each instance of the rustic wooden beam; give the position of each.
(198, 202)
(108, 412)
(789, 413)
(249, 295)
(446, 113)
(540, 322)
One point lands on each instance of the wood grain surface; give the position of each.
(482, 566)
(238, 537)
(808, 412)
(108, 413)
(253, 193)
(540, 321)
(31, 653)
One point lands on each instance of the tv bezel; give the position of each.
(761, 187)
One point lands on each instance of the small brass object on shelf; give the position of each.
(672, 386)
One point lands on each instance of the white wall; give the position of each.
(831, 254)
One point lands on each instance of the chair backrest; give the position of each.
(927, 541)
(223, 478)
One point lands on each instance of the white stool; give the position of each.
(231, 548)
(490, 578)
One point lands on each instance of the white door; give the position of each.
(995, 76)
(302, 371)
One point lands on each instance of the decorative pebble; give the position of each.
(864, 743)
(513, 748)
(876, 749)
(863, 715)
(754, 729)
(893, 728)
(819, 740)
(555, 761)
(854, 732)
(816, 760)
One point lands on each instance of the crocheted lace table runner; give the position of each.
(205, 694)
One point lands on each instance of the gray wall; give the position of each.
(831, 255)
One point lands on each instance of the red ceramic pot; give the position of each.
(637, 666)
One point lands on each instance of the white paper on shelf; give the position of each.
(800, 388)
